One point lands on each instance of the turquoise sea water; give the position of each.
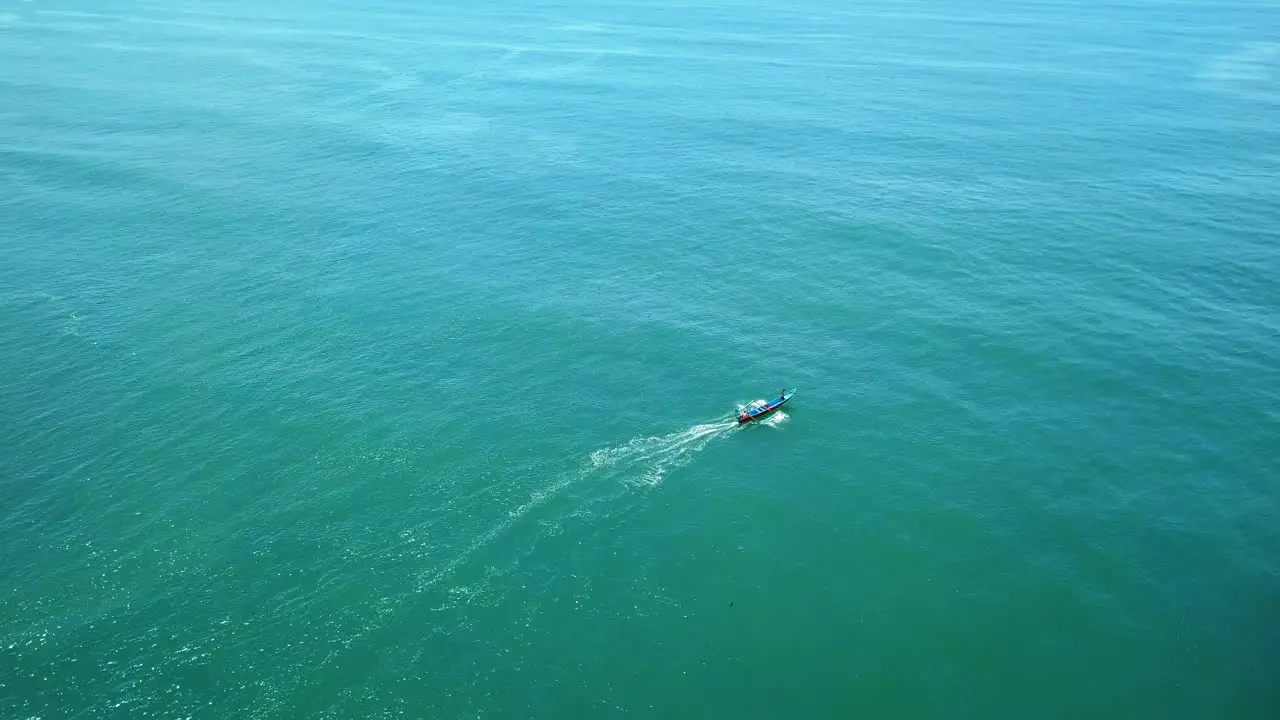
(379, 359)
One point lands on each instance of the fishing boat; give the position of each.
(759, 408)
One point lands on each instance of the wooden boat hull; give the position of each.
(757, 413)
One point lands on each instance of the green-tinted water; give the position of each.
(367, 360)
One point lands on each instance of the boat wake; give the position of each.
(640, 462)
(646, 461)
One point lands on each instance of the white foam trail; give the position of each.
(641, 462)
(651, 458)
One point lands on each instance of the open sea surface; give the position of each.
(379, 359)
